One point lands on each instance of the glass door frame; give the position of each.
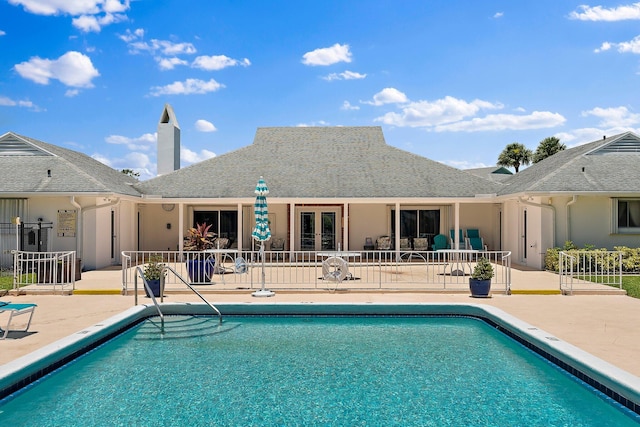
(319, 233)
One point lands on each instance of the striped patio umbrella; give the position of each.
(261, 231)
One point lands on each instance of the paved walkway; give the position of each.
(603, 325)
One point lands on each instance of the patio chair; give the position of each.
(383, 243)
(241, 266)
(15, 310)
(475, 243)
(440, 242)
(277, 245)
(473, 232)
(460, 237)
(421, 244)
(221, 243)
(405, 244)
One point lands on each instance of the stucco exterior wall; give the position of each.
(367, 220)
(587, 221)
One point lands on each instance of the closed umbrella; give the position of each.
(261, 231)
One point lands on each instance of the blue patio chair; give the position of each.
(452, 236)
(473, 232)
(475, 243)
(440, 242)
(15, 310)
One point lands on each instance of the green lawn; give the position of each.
(631, 284)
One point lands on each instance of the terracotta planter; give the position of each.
(479, 288)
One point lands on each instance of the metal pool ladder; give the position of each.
(153, 298)
(213, 307)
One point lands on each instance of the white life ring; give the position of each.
(335, 269)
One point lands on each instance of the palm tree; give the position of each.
(514, 155)
(547, 147)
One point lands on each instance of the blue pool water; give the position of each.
(312, 371)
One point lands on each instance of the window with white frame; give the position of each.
(627, 212)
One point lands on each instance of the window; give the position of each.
(417, 223)
(628, 215)
(223, 223)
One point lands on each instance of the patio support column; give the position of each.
(180, 227)
(456, 232)
(239, 230)
(292, 227)
(345, 224)
(396, 238)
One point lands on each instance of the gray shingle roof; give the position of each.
(319, 162)
(599, 166)
(71, 171)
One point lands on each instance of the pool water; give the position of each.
(313, 371)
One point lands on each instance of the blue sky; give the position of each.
(454, 81)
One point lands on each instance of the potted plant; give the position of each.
(480, 280)
(199, 267)
(152, 273)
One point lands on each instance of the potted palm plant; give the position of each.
(152, 273)
(480, 280)
(199, 267)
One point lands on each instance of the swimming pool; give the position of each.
(354, 371)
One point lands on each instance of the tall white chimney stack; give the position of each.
(168, 141)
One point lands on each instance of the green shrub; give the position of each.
(607, 261)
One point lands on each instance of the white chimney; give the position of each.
(168, 141)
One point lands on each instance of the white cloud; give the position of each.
(189, 157)
(327, 55)
(143, 142)
(8, 102)
(388, 95)
(599, 13)
(614, 117)
(136, 44)
(498, 15)
(585, 135)
(463, 164)
(498, 122)
(313, 124)
(91, 15)
(129, 36)
(136, 161)
(2, 33)
(205, 126)
(70, 93)
(346, 75)
(188, 87)
(632, 46)
(94, 23)
(72, 69)
(170, 63)
(346, 105)
(218, 62)
(438, 112)
(603, 48)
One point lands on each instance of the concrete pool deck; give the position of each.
(603, 325)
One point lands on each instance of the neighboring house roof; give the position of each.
(608, 165)
(31, 166)
(494, 173)
(318, 162)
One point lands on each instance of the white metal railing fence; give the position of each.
(305, 270)
(56, 269)
(579, 270)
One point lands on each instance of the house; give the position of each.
(329, 186)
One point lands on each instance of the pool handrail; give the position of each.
(213, 307)
(149, 292)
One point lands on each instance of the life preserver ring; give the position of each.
(335, 269)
